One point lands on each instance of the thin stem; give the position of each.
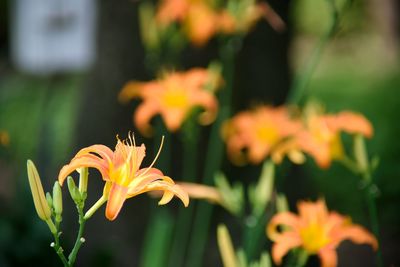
(79, 239)
(215, 153)
(183, 223)
(373, 212)
(95, 207)
(301, 80)
(57, 247)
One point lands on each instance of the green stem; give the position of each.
(297, 258)
(57, 247)
(373, 213)
(301, 80)
(79, 239)
(95, 207)
(214, 154)
(182, 228)
(253, 235)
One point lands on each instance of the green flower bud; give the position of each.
(73, 190)
(57, 201)
(83, 179)
(49, 200)
(39, 199)
(360, 153)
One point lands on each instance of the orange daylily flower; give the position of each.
(258, 131)
(124, 177)
(316, 231)
(172, 10)
(201, 23)
(321, 138)
(173, 96)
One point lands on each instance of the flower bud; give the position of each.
(39, 199)
(260, 194)
(73, 190)
(83, 179)
(226, 248)
(360, 153)
(57, 201)
(49, 200)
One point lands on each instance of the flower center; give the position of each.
(314, 237)
(175, 99)
(267, 134)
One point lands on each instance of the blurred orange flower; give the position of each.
(316, 231)
(4, 138)
(259, 131)
(246, 16)
(174, 96)
(172, 10)
(121, 171)
(321, 137)
(201, 19)
(201, 23)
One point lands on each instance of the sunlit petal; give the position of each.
(89, 161)
(116, 199)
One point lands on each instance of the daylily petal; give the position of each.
(101, 150)
(350, 122)
(173, 118)
(357, 234)
(143, 177)
(328, 257)
(196, 78)
(287, 241)
(116, 199)
(284, 218)
(143, 115)
(164, 186)
(136, 89)
(209, 103)
(90, 161)
(199, 191)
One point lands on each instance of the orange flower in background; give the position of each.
(316, 231)
(201, 23)
(172, 10)
(4, 138)
(259, 131)
(321, 138)
(121, 171)
(173, 97)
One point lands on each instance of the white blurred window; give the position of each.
(50, 36)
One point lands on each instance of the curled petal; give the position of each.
(209, 103)
(116, 199)
(357, 234)
(281, 247)
(328, 257)
(143, 115)
(199, 191)
(284, 218)
(89, 161)
(144, 177)
(166, 184)
(350, 122)
(136, 89)
(101, 150)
